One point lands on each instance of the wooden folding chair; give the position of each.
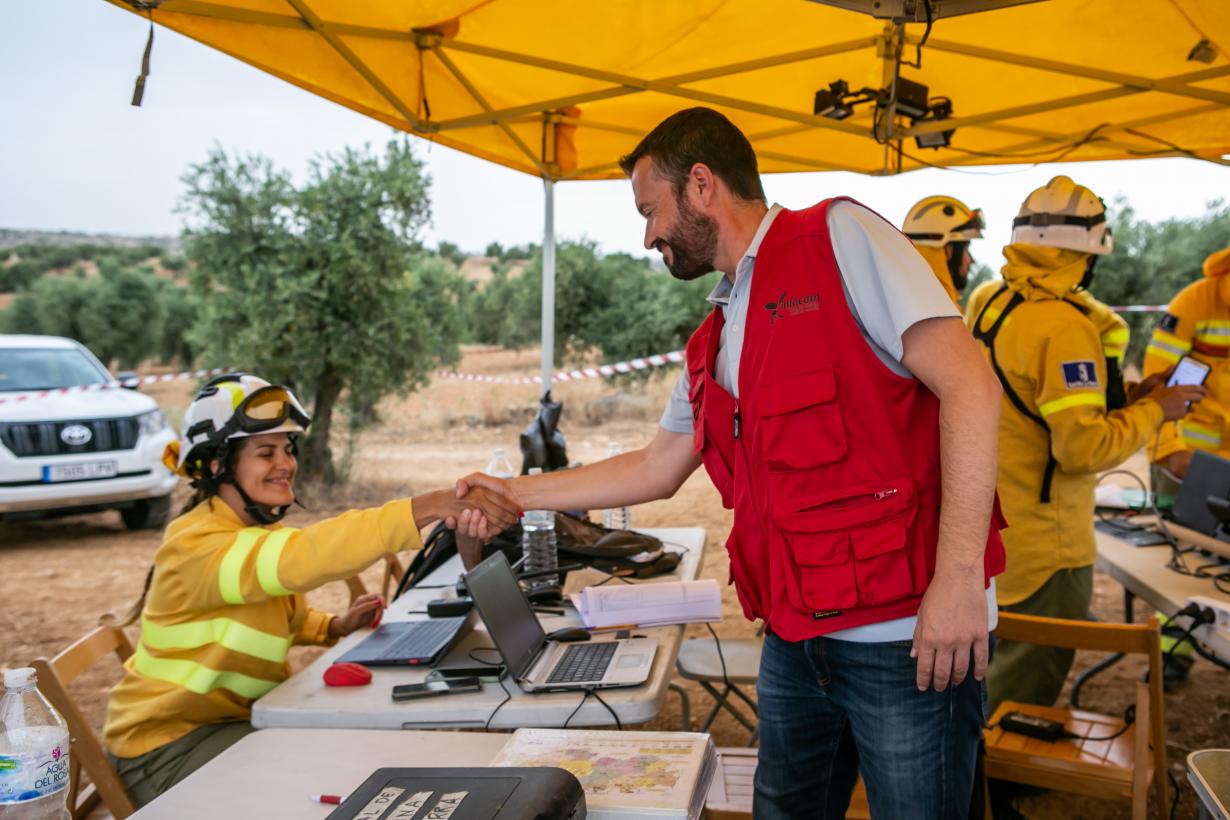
(730, 795)
(1119, 769)
(393, 571)
(54, 677)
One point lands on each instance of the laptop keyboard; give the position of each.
(584, 662)
(423, 641)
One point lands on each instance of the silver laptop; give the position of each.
(539, 664)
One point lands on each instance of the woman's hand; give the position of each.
(365, 611)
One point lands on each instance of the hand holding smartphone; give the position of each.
(1188, 371)
(435, 688)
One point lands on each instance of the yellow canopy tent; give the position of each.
(562, 90)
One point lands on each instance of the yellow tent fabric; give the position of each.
(508, 80)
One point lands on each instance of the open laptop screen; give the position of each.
(510, 621)
(1207, 476)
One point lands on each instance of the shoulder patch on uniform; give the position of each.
(1080, 374)
(1169, 323)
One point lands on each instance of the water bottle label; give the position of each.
(29, 776)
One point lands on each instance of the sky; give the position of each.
(75, 155)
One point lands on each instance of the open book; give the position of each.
(625, 775)
(651, 604)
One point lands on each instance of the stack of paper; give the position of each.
(649, 604)
(626, 775)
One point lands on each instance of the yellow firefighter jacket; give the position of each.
(1051, 353)
(225, 605)
(1197, 324)
(938, 260)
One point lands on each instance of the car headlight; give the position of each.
(152, 422)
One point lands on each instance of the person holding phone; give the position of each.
(1066, 416)
(1196, 331)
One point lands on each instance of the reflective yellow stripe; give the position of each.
(196, 677)
(1164, 352)
(1201, 436)
(267, 561)
(1171, 341)
(1115, 342)
(1074, 400)
(231, 634)
(232, 564)
(1216, 325)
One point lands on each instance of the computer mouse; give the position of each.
(569, 634)
(347, 674)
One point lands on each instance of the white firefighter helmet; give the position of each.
(1062, 214)
(235, 405)
(938, 220)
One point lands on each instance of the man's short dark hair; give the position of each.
(700, 135)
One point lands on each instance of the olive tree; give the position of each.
(314, 285)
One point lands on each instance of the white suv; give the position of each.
(77, 452)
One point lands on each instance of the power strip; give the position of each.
(1220, 608)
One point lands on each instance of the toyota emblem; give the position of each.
(76, 435)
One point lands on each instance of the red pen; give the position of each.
(327, 799)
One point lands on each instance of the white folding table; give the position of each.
(303, 701)
(275, 773)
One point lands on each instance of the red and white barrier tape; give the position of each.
(1140, 309)
(92, 388)
(630, 366)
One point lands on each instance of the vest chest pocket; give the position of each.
(800, 424)
(851, 548)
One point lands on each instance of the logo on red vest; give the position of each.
(787, 306)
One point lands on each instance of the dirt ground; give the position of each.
(58, 576)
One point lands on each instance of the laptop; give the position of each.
(541, 665)
(408, 643)
(1207, 477)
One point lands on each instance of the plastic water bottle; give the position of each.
(498, 466)
(619, 518)
(33, 752)
(538, 544)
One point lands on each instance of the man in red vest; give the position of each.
(834, 397)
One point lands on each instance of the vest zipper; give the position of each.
(841, 503)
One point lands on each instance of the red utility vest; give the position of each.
(830, 460)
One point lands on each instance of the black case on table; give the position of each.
(465, 794)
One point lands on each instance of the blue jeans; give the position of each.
(830, 709)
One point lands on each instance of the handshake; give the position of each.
(478, 508)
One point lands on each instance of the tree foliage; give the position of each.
(617, 305)
(1152, 262)
(320, 287)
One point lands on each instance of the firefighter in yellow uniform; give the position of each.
(1196, 324)
(225, 600)
(941, 228)
(1066, 416)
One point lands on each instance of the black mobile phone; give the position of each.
(435, 688)
(1188, 371)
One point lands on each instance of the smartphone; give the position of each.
(1188, 371)
(435, 688)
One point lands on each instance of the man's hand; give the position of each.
(365, 611)
(501, 486)
(1144, 387)
(1176, 400)
(952, 621)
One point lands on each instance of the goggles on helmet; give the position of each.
(264, 410)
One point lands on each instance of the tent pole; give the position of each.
(548, 284)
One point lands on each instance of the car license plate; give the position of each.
(80, 471)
